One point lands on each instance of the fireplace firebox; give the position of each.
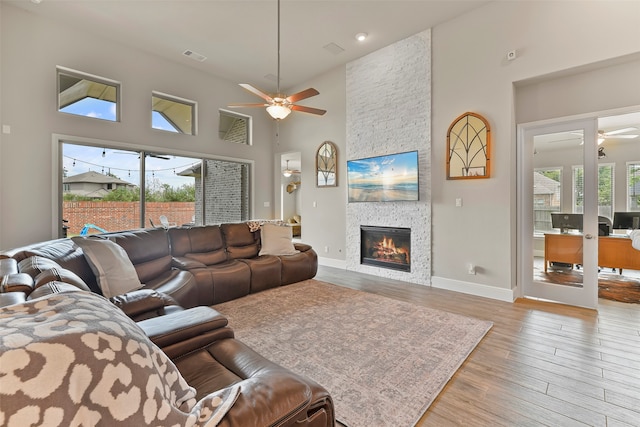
(386, 247)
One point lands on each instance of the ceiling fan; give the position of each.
(602, 135)
(288, 172)
(279, 105)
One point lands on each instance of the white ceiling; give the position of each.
(239, 37)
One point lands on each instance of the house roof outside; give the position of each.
(544, 185)
(95, 178)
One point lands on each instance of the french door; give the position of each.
(558, 212)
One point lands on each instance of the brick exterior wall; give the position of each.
(226, 194)
(115, 216)
(389, 111)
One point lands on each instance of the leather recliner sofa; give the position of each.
(202, 265)
(197, 339)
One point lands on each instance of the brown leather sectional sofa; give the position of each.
(184, 270)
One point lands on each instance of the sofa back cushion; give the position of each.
(203, 244)
(147, 249)
(64, 252)
(240, 241)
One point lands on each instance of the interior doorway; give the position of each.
(552, 159)
(289, 181)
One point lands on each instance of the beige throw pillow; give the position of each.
(110, 263)
(276, 240)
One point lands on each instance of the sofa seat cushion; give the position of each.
(208, 258)
(231, 280)
(265, 272)
(110, 263)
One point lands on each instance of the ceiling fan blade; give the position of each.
(308, 109)
(308, 93)
(255, 91)
(615, 132)
(247, 105)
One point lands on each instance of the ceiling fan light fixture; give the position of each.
(278, 111)
(287, 172)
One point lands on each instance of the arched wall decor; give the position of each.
(468, 147)
(326, 165)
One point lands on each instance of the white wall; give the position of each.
(471, 73)
(323, 226)
(32, 47)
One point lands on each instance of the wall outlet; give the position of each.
(471, 269)
(326, 249)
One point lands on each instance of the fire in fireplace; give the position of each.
(387, 247)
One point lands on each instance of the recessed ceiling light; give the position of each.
(361, 37)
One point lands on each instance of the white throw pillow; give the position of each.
(276, 240)
(110, 263)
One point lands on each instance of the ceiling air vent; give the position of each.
(334, 48)
(194, 55)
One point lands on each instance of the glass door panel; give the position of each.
(100, 189)
(171, 183)
(558, 202)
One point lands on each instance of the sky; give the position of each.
(124, 164)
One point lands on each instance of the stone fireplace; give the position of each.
(386, 247)
(380, 122)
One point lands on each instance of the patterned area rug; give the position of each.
(383, 361)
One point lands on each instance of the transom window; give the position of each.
(234, 127)
(173, 114)
(89, 96)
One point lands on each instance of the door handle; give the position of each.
(588, 236)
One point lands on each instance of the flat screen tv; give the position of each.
(626, 220)
(389, 178)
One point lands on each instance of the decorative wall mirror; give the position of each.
(468, 147)
(326, 165)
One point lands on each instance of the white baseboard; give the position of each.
(331, 262)
(473, 289)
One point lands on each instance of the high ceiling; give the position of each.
(239, 37)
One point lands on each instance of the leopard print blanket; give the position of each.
(72, 359)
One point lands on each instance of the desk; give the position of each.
(613, 251)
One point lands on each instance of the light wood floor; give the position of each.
(541, 363)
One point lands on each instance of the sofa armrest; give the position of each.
(269, 393)
(142, 301)
(197, 326)
(302, 247)
(18, 282)
(184, 263)
(11, 298)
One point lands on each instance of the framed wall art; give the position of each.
(468, 147)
